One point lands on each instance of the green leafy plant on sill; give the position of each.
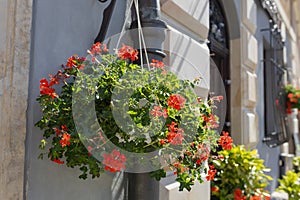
(290, 184)
(292, 97)
(241, 175)
(296, 164)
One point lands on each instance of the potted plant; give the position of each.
(241, 175)
(292, 98)
(114, 115)
(290, 184)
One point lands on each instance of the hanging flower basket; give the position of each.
(113, 115)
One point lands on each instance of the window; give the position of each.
(220, 69)
(276, 131)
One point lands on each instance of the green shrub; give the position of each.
(296, 163)
(240, 175)
(290, 184)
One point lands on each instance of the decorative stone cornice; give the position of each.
(271, 7)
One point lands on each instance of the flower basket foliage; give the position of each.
(111, 113)
(241, 175)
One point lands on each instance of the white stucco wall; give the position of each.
(62, 28)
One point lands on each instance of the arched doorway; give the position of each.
(219, 50)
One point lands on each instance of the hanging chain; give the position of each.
(124, 25)
(141, 36)
(141, 39)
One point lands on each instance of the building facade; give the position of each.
(243, 42)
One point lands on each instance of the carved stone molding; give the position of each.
(272, 9)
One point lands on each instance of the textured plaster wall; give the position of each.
(188, 28)
(15, 26)
(62, 28)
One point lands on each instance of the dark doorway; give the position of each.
(220, 69)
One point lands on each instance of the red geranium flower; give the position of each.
(255, 198)
(162, 142)
(89, 150)
(96, 49)
(170, 136)
(294, 100)
(105, 49)
(75, 61)
(211, 121)
(179, 167)
(290, 95)
(211, 173)
(267, 197)
(215, 189)
(44, 84)
(65, 140)
(157, 112)
(114, 162)
(289, 107)
(57, 131)
(225, 141)
(202, 153)
(72, 61)
(46, 90)
(176, 101)
(58, 161)
(157, 64)
(175, 134)
(54, 80)
(198, 162)
(217, 98)
(238, 195)
(220, 98)
(64, 127)
(165, 113)
(175, 138)
(127, 52)
(238, 192)
(172, 126)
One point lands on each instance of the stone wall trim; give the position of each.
(14, 79)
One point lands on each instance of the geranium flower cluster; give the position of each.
(127, 52)
(45, 88)
(174, 135)
(157, 111)
(225, 141)
(176, 101)
(114, 162)
(238, 195)
(186, 123)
